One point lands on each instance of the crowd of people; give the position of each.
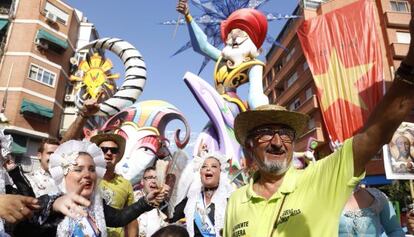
(76, 191)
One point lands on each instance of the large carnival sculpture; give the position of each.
(243, 33)
(142, 124)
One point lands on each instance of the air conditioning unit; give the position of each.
(69, 98)
(50, 17)
(41, 44)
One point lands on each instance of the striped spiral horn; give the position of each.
(135, 74)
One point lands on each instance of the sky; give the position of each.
(138, 22)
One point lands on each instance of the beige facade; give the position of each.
(38, 41)
(288, 80)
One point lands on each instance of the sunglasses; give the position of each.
(114, 150)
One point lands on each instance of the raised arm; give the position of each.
(198, 39)
(90, 107)
(21, 182)
(389, 113)
(121, 217)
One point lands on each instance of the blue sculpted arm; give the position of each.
(200, 43)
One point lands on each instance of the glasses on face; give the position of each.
(150, 178)
(114, 150)
(287, 135)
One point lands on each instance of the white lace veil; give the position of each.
(59, 165)
(219, 198)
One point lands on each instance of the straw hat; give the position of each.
(109, 136)
(268, 114)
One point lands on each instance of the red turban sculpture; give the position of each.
(250, 20)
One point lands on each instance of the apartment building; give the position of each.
(288, 80)
(38, 38)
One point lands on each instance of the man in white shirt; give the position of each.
(40, 179)
(149, 222)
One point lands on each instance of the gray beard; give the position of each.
(275, 167)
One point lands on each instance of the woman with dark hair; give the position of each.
(171, 231)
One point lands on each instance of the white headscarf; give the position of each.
(219, 198)
(60, 163)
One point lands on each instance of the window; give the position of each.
(278, 67)
(290, 54)
(305, 66)
(293, 106)
(70, 88)
(311, 123)
(269, 79)
(42, 75)
(399, 6)
(61, 16)
(309, 93)
(403, 37)
(292, 79)
(274, 95)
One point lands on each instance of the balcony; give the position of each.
(304, 79)
(397, 19)
(308, 106)
(399, 50)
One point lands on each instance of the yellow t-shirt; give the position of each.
(314, 199)
(117, 193)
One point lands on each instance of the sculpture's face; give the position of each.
(140, 152)
(236, 38)
(239, 47)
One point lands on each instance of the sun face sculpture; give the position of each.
(96, 76)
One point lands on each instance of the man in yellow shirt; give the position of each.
(281, 201)
(116, 190)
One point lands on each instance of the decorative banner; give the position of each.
(344, 56)
(399, 153)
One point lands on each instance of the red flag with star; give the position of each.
(344, 56)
